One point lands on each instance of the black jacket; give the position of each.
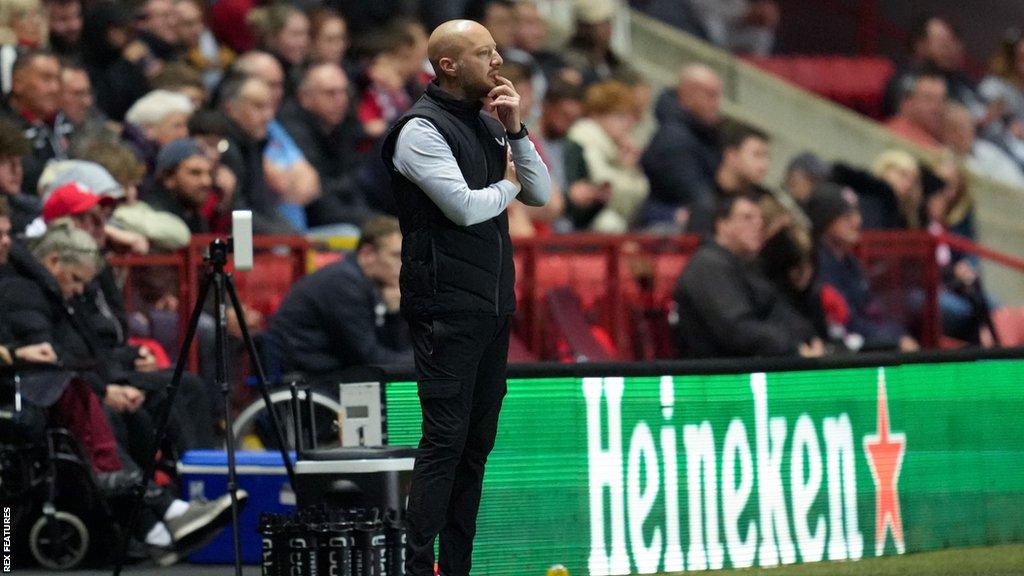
(878, 204)
(335, 319)
(333, 153)
(50, 140)
(244, 157)
(116, 82)
(164, 200)
(446, 268)
(680, 162)
(727, 307)
(35, 312)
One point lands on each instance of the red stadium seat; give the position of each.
(855, 82)
(1009, 323)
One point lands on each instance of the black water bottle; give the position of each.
(269, 527)
(301, 550)
(396, 538)
(335, 545)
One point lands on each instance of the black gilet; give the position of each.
(446, 268)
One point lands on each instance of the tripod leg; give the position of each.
(261, 379)
(161, 429)
(221, 340)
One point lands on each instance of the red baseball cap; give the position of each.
(70, 199)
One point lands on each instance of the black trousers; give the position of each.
(460, 365)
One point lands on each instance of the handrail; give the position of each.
(962, 244)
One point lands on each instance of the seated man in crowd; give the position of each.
(682, 158)
(346, 314)
(182, 183)
(835, 216)
(919, 116)
(727, 307)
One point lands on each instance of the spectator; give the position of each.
(836, 219)
(385, 96)
(746, 158)
(902, 173)
(919, 117)
(683, 157)
(981, 156)
(529, 38)
(590, 50)
(249, 107)
(23, 24)
(803, 173)
(156, 119)
(499, 17)
(210, 129)
(325, 131)
(289, 175)
(23, 207)
(329, 33)
(202, 51)
(936, 49)
(963, 304)
(117, 64)
(346, 314)
(527, 221)
(283, 31)
(183, 183)
(604, 136)
(727, 307)
(156, 25)
(64, 19)
(741, 26)
(79, 106)
(1003, 92)
(162, 229)
(787, 259)
(34, 105)
(561, 108)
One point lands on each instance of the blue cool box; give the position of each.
(204, 474)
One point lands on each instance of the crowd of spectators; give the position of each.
(126, 127)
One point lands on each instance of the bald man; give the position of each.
(454, 169)
(683, 157)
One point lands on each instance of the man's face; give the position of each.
(11, 175)
(925, 105)
(253, 109)
(37, 86)
(158, 18)
(500, 21)
(65, 21)
(557, 117)
(476, 68)
(191, 181)
(941, 46)
(76, 95)
(326, 95)
(531, 30)
(743, 231)
(331, 41)
(172, 127)
(703, 98)
(189, 23)
(5, 239)
(751, 160)
(382, 262)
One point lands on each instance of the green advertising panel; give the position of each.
(637, 475)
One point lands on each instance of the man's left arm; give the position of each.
(531, 171)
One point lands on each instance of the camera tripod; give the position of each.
(223, 285)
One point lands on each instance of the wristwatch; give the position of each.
(518, 135)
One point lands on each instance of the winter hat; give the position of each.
(175, 153)
(829, 202)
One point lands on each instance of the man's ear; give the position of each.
(448, 65)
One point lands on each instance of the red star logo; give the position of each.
(884, 451)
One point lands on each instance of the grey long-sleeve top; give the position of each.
(423, 156)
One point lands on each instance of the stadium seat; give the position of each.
(1009, 323)
(573, 335)
(855, 82)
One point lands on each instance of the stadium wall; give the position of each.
(672, 467)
